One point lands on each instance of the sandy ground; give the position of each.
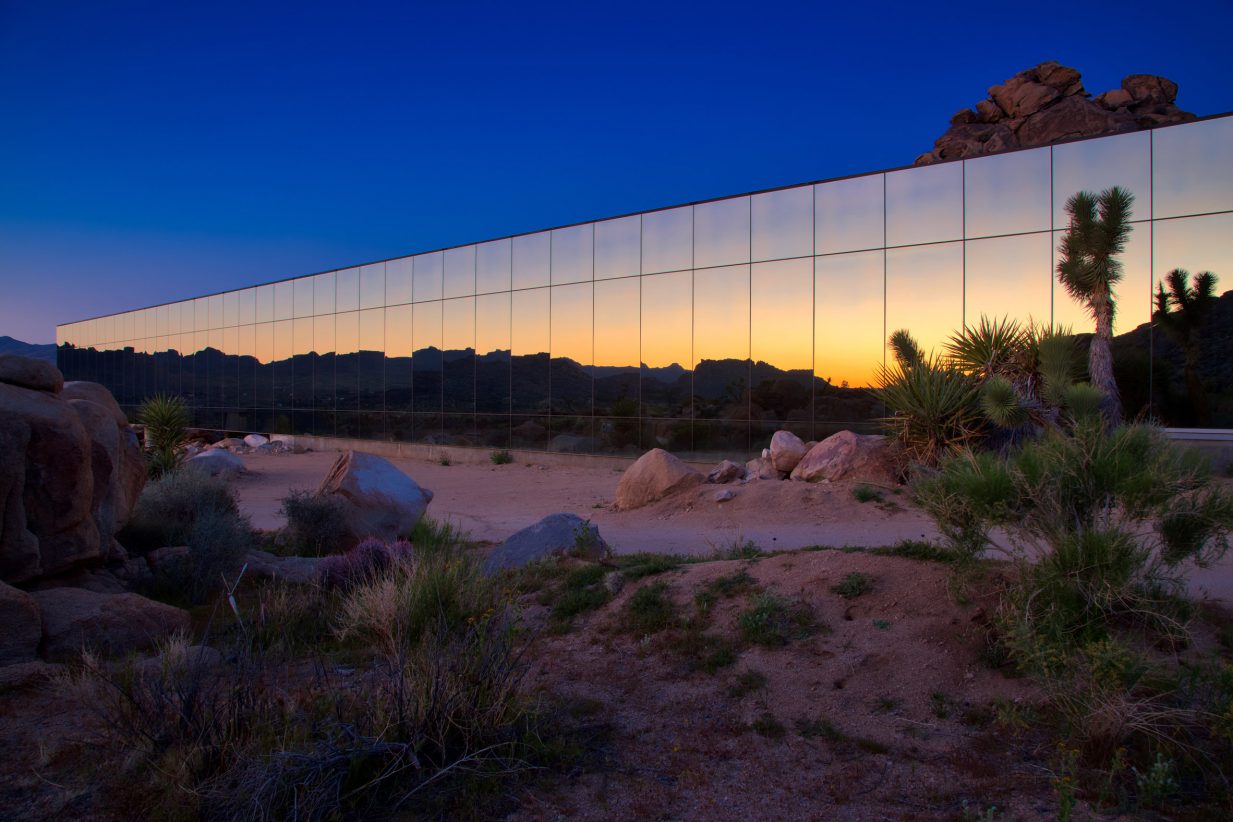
(491, 502)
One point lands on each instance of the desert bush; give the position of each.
(165, 418)
(501, 457)
(362, 564)
(217, 544)
(170, 506)
(772, 621)
(316, 523)
(433, 537)
(648, 610)
(853, 585)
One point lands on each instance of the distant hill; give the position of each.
(8, 345)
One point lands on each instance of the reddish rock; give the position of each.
(846, 455)
(117, 465)
(1148, 88)
(95, 393)
(726, 471)
(29, 372)
(1072, 117)
(1115, 99)
(786, 450)
(74, 618)
(654, 475)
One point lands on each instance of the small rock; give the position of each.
(297, 570)
(724, 495)
(217, 463)
(614, 581)
(256, 441)
(762, 469)
(554, 535)
(726, 471)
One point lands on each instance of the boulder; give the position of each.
(217, 462)
(1114, 99)
(786, 450)
(553, 536)
(170, 561)
(28, 372)
(98, 580)
(255, 441)
(380, 500)
(117, 464)
(726, 471)
(847, 455)
(653, 476)
(724, 495)
(230, 443)
(95, 393)
(298, 570)
(21, 627)
(1148, 88)
(1072, 117)
(74, 618)
(47, 481)
(762, 469)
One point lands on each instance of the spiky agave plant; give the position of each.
(165, 418)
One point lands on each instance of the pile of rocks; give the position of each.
(845, 455)
(1047, 104)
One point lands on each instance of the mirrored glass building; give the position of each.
(701, 328)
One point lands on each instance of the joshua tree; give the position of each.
(1193, 303)
(1089, 269)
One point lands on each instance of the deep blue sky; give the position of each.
(151, 151)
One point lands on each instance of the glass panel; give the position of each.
(201, 319)
(615, 373)
(721, 343)
(667, 344)
(783, 224)
(529, 341)
(245, 311)
(573, 254)
(372, 360)
(347, 361)
(1007, 193)
(1132, 294)
(265, 304)
(230, 359)
(347, 289)
(303, 289)
(426, 361)
(721, 232)
(1009, 277)
(231, 313)
(1193, 168)
(532, 254)
(492, 346)
(618, 248)
(1094, 165)
(398, 281)
(924, 204)
(529, 432)
(323, 293)
(492, 266)
(372, 285)
(283, 301)
(303, 361)
(428, 273)
(924, 292)
(781, 341)
(399, 343)
(263, 388)
(458, 355)
(460, 271)
(667, 240)
(323, 368)
(216, 315)
(571, 434)
(848, 333)
(849, 214)
(284, 351)
(571, 339)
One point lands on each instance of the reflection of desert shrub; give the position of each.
(316, 523)
(170, 506)
(363, 563)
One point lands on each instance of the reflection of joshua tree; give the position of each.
(1193, 304)
(1089, 269)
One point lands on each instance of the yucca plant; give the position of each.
(165, 418)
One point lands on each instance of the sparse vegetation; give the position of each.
(866, 493)
(316, 523)
(747, 682)
(501, 457)
(767, 725)
(853, 585)
(773, 621)
(649, 610)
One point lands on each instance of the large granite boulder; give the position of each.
(21, 627)
(554, 535)
(846, 455)
(653, 476)
(74, 618)
(71, 471)
(787, 449)
(1046, 104)
(28, 372)
(380, 500)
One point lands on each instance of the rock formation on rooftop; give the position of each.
(1047, 104)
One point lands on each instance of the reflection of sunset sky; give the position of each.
(737, 279)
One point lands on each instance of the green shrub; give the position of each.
(430, 536)
(649, 610)
(773, 621)
(316, 523)
(170, 506)
(866, 493)
(501, 457)
(217, 544)
(853, 585)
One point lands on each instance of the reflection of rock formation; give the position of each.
(1046, 104)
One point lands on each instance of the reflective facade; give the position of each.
(700, 329)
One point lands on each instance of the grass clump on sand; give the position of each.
(853, 585)
(773, 621)
(648, 610)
